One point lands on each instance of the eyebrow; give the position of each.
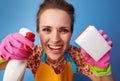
(46, 26)
(66, 27)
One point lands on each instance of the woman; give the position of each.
(55, 59)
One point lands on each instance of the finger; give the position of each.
(110, 43)
(105, 36)
(22, 39)
(30, 36)
(27, 48)
(101, 32)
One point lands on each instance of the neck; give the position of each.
(52, 61)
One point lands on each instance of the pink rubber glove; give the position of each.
(104, 61)
(16, 46)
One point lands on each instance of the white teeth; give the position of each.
(55, 47)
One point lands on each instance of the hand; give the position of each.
(104, 61)
(16, 46)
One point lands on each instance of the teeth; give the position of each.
(55, 47)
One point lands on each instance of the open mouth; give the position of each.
(55, 47)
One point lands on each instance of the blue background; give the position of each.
(104, 14)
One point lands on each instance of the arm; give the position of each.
(100, 74)
(22, 77)
(3, 65)
(17, 48)
(108, 78)
(84, 67)
(101, 69)
(101, 78)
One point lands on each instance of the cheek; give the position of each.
(43, 38)
(67, 38)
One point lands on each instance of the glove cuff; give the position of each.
(2, 61)
(100, 71)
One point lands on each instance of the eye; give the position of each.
(46, 30)
(64, 30)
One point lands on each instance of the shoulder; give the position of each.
(76, 55)
(73, 48)
(37, 52)
(35, 58)
(37, 49)
(74, 51)
(81, 63)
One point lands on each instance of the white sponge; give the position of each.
(93, 43)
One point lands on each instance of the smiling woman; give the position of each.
(55, 59)
(55, 32)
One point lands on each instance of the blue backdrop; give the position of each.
(104, 14)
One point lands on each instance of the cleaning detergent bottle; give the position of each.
(15, 69)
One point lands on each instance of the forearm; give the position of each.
(22, 77)
(3, 65)
(101, 78)
(108, 78)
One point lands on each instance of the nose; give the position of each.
(55, 37)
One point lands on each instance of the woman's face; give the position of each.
(55, 32)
